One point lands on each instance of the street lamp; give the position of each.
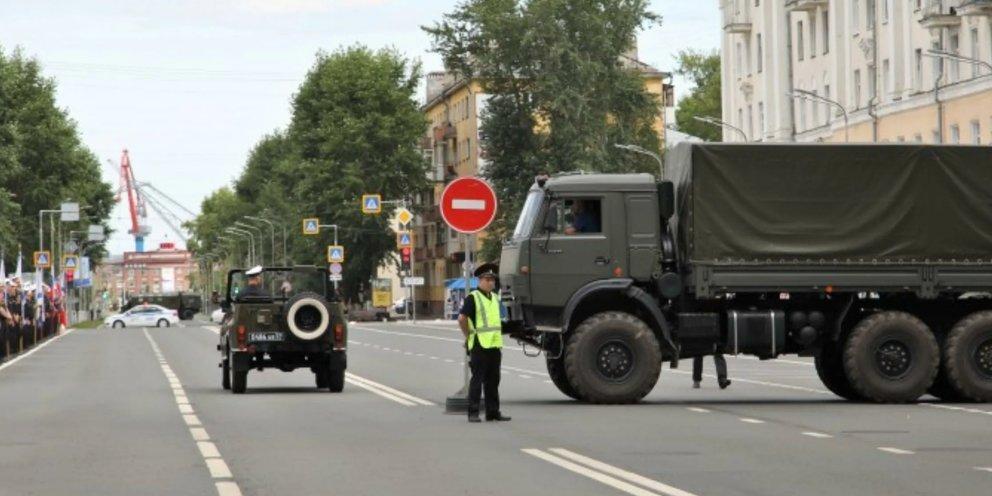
(643, 151)
(713, 121)
(272, 238)
(251, 241)
(810, 96)
(956, 56)
(261, 243)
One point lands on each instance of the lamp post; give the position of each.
(251, 241)
(643, 151)
(810, 96)
(261, 243)
(713, 121)
(956, 56)
(272, 238)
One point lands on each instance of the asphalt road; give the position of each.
(139, 411)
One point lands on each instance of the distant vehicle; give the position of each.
(186, 304)
(374, 314)
(399, 307)
(283, 326)
(143, 316)
(217, 316)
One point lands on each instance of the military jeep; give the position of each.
(291, 321)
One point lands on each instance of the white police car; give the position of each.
(144, 316)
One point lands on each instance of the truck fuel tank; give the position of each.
(760, 333)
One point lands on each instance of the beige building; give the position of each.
(874, 59)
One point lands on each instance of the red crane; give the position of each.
(135, 203)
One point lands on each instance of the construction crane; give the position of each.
(166, 207)
(135, 203)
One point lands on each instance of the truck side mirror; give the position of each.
(666, 200)
(550, 221)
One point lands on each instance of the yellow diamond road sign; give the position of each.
(311, 226)
(371, 204)
(403, 216)
(335, 254)
(43, 259)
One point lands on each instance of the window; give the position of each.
(955, 65)
(856, 15)
(747, 55)
(760, 54)
(885, 10)
(857, 88)
(750, 120)
(974, 51)
(935, 136)
(829, 110)
(886, 79)
(918, 138)
(901, 139)
(870, 14)
(761, 119)
(800, 48)
(812, 37)
(740, 117)
(976, 132)
(918, 69)
(872, 83)
(576, 216)
(955, 134)
(826, 32)
(938, 62)
(737, 64)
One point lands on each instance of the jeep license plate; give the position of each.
(264, 336)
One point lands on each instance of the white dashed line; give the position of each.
(818, 435)
(896, 451)
(199, 434)
(606, 474)
(191, 420)
(751, 420)
(218, 469)
(524, 376)
(697, 409)
(984, 469)
(185, 408)
(208, 449)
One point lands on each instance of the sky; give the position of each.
(189, 86)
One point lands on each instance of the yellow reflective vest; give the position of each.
(489, 332)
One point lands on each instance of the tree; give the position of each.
(563, 90)
(42, 161)
(704, 100)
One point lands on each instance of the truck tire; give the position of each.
(941, 387)
(613, 357)
(891, 357)
(967, 359)
(830, 369)
(556, 370)
(188, 314)
(307, 316)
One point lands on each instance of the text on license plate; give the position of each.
(265, 336)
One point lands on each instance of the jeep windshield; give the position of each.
(525, 224)
(277, 284)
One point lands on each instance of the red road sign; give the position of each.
(468, 205)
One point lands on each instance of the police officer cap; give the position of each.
(254, 271)
(487, 270)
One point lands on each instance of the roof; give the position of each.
(613, 182)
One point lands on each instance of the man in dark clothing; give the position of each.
(255, 288)
(721, 370)
(481, 325)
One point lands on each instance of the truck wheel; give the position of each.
(188, 315)
(967, 359)
(613, 357)
(941, 387)
(335, 380)
(830, 368)
(556, 369)
(891, 357)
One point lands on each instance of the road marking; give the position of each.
(392, 391)
(208, 450)
(524, 376)
(957, 408)
(381, 393)
(984, 469)
(449, 360)
(751, 420)
(603, 473)
(697, 409)
(435, 358)
(33, 351)
(423, 336)
(819, 435)
(896, 451)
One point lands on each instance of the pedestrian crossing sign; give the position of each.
(70, 262)
(371, 204)
(311, 226)
(43, 259)
(335, 254)
(404, 239)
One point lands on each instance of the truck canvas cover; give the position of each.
(772, 204)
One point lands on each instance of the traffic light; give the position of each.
(405, 258)
(68, 278)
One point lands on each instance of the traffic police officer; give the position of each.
(255, 288)
(482, 327)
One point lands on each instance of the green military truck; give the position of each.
(185, 304)
(874, 259)
(293, 321)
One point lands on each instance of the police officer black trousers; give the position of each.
(485, 365)
(721, 370)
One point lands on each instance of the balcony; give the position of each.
(805, 5)
(976, 7)
(736, 21)
(938, 16)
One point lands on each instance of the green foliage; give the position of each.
(703, 69)
(564, 92)
(355, 129)
(42, 161)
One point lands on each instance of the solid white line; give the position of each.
(592, 474)
(199, 434)
(621, 473)
(751, 420)
(697, 409)
(524, 376)
(984, 469)
(819, 435)
(381, 393)
(958, 408)
(389, 390)
(228, 488)
(36, 348)
(896, 451)
(218, 469)
(208, 449)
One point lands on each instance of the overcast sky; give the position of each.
(188, 86)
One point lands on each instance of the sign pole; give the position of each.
(413, 265)
(458, 402)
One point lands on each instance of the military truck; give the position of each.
(296, 322)
(186, 304)
(876, 260)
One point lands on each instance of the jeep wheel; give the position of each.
(891, 357)
(335, 380)
(613, 357)
(321, 377)
(225, 378)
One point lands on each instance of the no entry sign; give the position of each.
(468, 205)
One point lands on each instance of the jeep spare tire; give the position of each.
(307, 316)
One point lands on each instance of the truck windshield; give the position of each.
(525, 224)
